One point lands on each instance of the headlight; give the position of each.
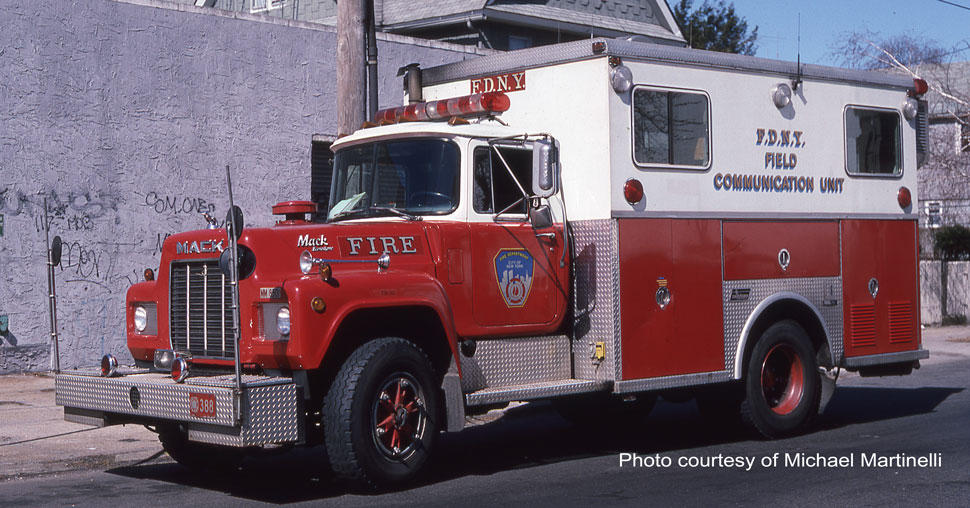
(141, 319)
(283, 321)
(306, 262)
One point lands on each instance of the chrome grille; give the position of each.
(201, 310)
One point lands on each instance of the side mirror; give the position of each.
(234, 222)
(56, 247)
(245, 261)
(541, 217)
(545, 168)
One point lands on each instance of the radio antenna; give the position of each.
(798, 64)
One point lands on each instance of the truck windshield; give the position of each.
(416, 177)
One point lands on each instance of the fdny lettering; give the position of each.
(782, 139)
(503, 83)
(374, 245)
(317, 244)
(198, 247)
(771, 137)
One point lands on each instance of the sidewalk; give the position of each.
(35, 439)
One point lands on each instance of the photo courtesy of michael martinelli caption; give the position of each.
(783, 460)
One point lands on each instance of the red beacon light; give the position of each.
(920, 87)
(444, 109)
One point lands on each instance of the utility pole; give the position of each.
(351, 72)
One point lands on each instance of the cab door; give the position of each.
(520, 279)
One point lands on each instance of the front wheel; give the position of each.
(199, 457)
(782, 388)
(379, 414)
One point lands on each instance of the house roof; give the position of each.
(404, 11)
(522, 13)
(609, 17)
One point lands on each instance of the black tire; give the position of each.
(198, 456)
(374, 438)
(782, 387)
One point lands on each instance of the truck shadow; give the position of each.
(534, 435)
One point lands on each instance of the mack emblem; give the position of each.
(198, 247)
(316, 244)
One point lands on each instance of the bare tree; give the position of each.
(949, 93)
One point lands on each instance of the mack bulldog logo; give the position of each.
(198, 247)
(513, 272)
(318, 243)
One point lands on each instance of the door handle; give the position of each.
(546, 235)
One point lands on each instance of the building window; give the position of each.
(934, 214)
(519, 42)
(872, 142)
(671, 128)
(266, 5)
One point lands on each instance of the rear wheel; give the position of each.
(379, 414)
(782, 387)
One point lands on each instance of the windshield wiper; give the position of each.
(346, 213)
(397, 212)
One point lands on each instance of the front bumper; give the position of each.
(267, 410)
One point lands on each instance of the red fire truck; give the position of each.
(594, 223)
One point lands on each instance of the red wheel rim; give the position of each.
(398, 416)
(782, 379)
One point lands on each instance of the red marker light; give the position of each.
(109, 365)
(904, 197)
(633, 191)
(920, 87)
(180, 370)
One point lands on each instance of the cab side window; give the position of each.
(671, 128)
(494, 189)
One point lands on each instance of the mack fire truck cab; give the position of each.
(593, 223)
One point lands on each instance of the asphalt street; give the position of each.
(856, 456)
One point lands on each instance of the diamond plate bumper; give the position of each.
(269, 409)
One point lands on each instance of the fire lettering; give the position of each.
(374, 245)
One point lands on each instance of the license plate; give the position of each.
(202, 405)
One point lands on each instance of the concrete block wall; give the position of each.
(958, 290)
(122, 116)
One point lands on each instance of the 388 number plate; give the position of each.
(202, 405)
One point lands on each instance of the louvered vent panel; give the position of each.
(900, 322)
(862, 325)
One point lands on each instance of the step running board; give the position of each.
(532, 391)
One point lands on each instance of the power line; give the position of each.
(954, 4)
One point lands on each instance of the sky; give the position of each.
(822, 22)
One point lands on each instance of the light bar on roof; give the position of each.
(444, 109)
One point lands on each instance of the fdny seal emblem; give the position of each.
(513, 272)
